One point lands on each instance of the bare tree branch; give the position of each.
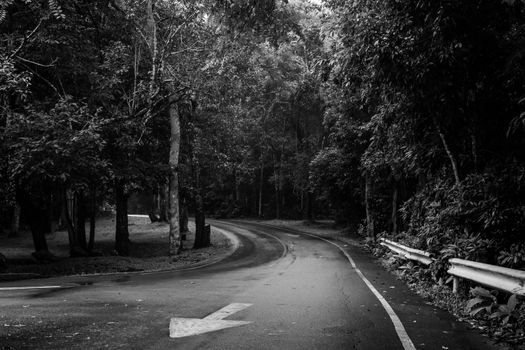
(26, 38)
(43, 79)
(48, 65)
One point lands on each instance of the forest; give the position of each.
(398, 117)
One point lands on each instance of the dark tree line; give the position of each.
(103, 99)
(403, 117)
(426, 124)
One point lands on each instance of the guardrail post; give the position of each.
(455, 285)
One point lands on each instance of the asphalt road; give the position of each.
(292, 290)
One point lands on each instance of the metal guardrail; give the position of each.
(502, 278)
(407, 252)
(510, 280)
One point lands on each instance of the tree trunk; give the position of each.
(453, 162)
(50, 227)
(92, 217)
(200, 222)
(282, 198)
(174, 234)
(200, 218)
(237, 184)
(62, 222)
(261, 182)
(369, 219)
(75, 247)
(152, 33)
(3, 263)
(81, 220)
(394, 208)
(184, 218)
(474, 146)
(152, 208)
(37, 223)
(121, 230)
(15, 220)
(254, 198)
(36, 216)
(276, 187)
(277, 204)
(163, 202)
(308, 208)
(70, 206)
(69, 222)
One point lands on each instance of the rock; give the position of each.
(154, 218)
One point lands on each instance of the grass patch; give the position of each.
(148, 251)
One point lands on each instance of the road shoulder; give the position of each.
(428, 326)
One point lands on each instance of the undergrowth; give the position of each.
(496, 314)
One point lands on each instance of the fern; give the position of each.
(56, 9)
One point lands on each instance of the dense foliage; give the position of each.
(94, 92)
(397, 116)
(424, 115)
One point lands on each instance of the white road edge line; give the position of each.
(398, 325)
(29, 287)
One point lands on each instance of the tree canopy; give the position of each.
(402, 117)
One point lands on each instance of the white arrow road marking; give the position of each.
(30, 287)
(185, 327)
(227, 311)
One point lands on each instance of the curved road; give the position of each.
(293, 290)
